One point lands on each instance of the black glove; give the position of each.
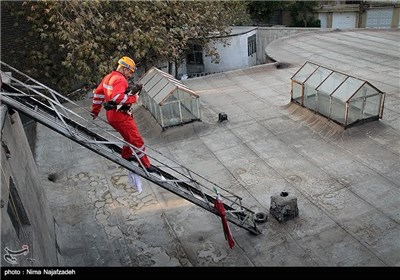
(139, 88)
(134, 88)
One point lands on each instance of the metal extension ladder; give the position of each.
(44, 105)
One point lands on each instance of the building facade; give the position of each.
(359, 14)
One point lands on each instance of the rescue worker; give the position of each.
(114, 95)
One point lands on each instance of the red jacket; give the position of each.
(112, 88)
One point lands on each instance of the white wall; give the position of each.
(233, 56)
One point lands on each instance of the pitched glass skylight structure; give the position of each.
(168, 100)
(342, 98)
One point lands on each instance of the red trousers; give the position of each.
(126, 126)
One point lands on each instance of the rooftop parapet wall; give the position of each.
(268, 34)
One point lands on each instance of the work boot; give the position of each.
(132, 158)
(151, 169)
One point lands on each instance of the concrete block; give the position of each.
(284, 207)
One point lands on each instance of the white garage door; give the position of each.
(344, 20)
(379, 18)
(323, 17)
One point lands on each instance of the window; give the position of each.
(251, 45)
(195, 55)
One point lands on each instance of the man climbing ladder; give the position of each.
(113, 94)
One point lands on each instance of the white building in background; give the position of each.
(247, 43)
(239, 53)
(359, 14)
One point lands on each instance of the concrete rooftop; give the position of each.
(347, 182)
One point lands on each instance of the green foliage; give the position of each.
(301, 13)
(306, 22)
(260, 11)
(77, 42)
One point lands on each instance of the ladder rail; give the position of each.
(54, 103)
(187, 188)
(224, 195)
(54, 94)
(239, 220)
(66, 120)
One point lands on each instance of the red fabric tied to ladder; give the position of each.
(219, 205)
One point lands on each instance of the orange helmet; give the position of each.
(127, 62)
